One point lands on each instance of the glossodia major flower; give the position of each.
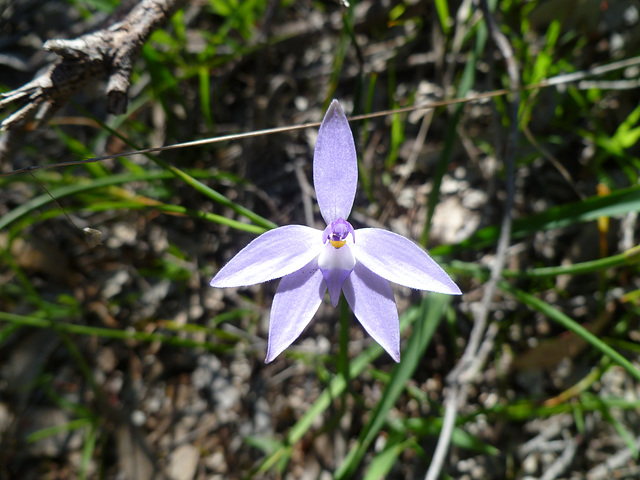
(359, 263)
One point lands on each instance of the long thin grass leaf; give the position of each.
(570, 324)
(617, 203)
(459, 438)
(41, 200)
(191, 181)
(629, 257)
(56, 429)
(465, 85)
(384, 461)
(527, 409)
(88, 448)
(113, 333)
(431, 312)
(334, 390)
(619, 427)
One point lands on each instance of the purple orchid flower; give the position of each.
(360, 263)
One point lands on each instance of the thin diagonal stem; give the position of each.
(459, 378)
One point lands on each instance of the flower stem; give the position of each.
(343, 339)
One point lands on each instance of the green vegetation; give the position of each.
(107, 334)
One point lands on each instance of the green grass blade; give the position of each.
(431, 312)
(528, 409)
(191, 181)
(7, 332)
(466, 83)
(334, 390)
(56, 429)
(132, 204)
(205, 97)
(617, 203)
(442, 8)
(568, 323)
(627, 258)
(80, 150)
(88, 448)
(383, 462)
(41, 200)
(619, 427)
(459, 438)
(113, 333)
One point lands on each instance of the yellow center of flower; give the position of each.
(338, 243)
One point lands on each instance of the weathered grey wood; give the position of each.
(111, 51)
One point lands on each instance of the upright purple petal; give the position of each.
(335, 165)
(296, 301)
(372, 302)
(401, 261)
(273, 254)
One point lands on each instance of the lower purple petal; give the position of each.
(334, 280)
(296, 301)
(373, 304)
(336, 264)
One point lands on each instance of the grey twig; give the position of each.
(459, 379)
(110, 51)
(563, 462)
(545, 435)
(614, 462)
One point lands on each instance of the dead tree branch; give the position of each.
(111, 51)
